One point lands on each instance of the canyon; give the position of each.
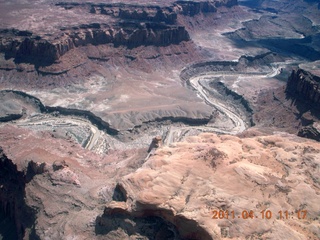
(159, 120)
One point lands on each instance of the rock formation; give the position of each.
(192, 8)
(131, 26)
(185, 185)
(12, 194)
(156, 143)
(312, 131)
(304, 85)
(294, 106)
(245, 64)
(41, 51)
(48, 191)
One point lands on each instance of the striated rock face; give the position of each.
(13, 106)
(148, 12)
(247, 64)
(127, 34)
(35, 50)
(21, 44)
(304, 85)
(128, 11)
(311, 131)
(191, 8)
(129, 25)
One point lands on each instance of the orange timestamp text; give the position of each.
(264, 214)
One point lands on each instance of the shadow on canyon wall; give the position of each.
(17, 219)
(299, 47)
(304, 93)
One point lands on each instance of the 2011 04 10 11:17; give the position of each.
(264, 214)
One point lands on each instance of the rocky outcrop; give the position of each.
(156, 143)
(312, 131)
(166, 13)
(12, 194)
(10, 117)
(146, 13)
(33, 49)
(63, 190)
(209, 66)
(245, 64)
(136, 12)
(129, 25)
(189, 183)
(162, 223)
(192, 8)
(14, 106)
(304, 85)
(130, 34)
(23, 46)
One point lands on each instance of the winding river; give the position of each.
(200, 84)
(231, 122)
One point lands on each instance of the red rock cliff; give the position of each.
(304, 85)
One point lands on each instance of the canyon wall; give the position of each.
(12, 193)
(128, 25)
(34, 49)
(305, 86)
(245, 64)
(192, 8)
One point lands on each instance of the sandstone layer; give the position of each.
(186, 183)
